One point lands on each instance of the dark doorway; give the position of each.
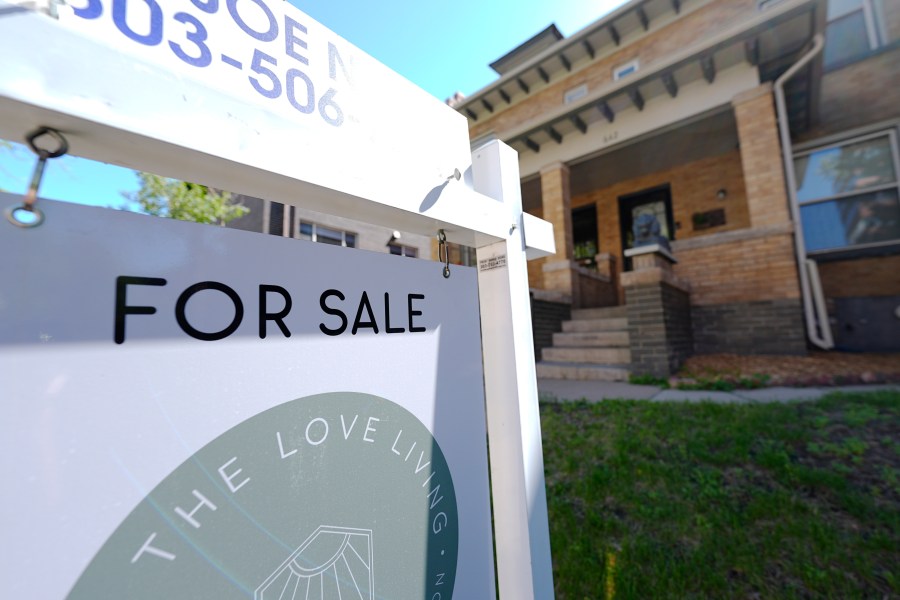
(657, 202)
(584, 235)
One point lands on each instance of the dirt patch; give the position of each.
(816, 369)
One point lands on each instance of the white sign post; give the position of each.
(255, 97)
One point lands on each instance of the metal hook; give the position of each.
(27, 214)
(444, 252)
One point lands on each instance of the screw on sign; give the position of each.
(28, 215)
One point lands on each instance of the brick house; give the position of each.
(769, 162)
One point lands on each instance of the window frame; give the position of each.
(891, 135)
(575, 94)
(403, 250)
(314, 236)
(617, 70)
(873, 19)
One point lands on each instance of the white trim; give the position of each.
(315, 231)
(617, 71)
(845, 195)
(575, 94)
(845, 135)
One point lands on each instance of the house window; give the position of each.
(575, 94)
(852, 31)
(326, 235)
(401, 250)
(626, 69)
(849, 195)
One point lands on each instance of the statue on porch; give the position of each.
(647, 231)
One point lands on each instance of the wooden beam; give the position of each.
(554, 134)
(505, 96)
(614, 34)
(668, 80)
(751, 51)
(709, 68)
(532, 145)
(565, 61)
(471, 114)
(642, 17)
(578, 123)
(487, 105)
(543, 74)
(588, 48)
(607, 111)
(636, 98)
(522, 85)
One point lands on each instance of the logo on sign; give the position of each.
(292, 503)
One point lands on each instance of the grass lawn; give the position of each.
(672, 500)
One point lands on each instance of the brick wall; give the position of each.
(755, 267)
(766, 327)
(659, 328)
(863, 277)
(649, 48)
(546, 319)
(693, 187)
(754, 111)
(860, 93)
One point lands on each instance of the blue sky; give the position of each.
(442, 47)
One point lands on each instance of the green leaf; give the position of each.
(173, 199)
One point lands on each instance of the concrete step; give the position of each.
(596, 356)
(583, 326)
(606, 312)
(581, 371)
(610, 339)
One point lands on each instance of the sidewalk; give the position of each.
(595, 391)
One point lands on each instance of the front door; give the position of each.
(656, 202)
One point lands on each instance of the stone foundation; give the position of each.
(547, 316)
(767, 327)
(659, 327)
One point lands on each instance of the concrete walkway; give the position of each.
(594, 391)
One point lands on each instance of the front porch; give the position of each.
(716, 187)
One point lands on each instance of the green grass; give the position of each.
(671, 500)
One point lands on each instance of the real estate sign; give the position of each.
(192, 411)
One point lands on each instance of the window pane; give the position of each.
(395, 249)
(865, 219)
(839, 8)
(410, 251)
(306, 230)
(351, 240)
(846, 39)
(329, 236)
(845, 169)
(657, 210)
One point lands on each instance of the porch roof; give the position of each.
(771, 41)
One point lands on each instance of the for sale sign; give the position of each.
(191, 411)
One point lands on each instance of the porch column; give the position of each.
(757, 127)
(558, 270)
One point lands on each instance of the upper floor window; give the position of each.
(853, 30)
(326, 235)
(626, 69)
(849, 194)
(576, 93)
(401, 250)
